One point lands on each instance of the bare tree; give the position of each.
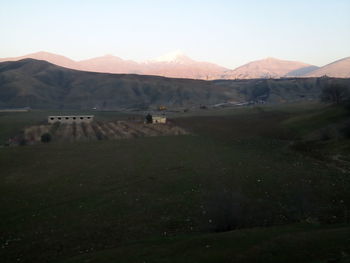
(335, 94)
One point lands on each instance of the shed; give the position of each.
(158, 119)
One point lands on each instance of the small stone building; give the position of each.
(71, 119)
(158, 119)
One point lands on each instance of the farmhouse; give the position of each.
(71, 119)
(158, 119)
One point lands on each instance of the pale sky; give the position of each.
(226, 32)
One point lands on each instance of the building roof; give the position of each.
(63, 116)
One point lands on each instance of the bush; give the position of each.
(149, 118)
(46, 138)
(335, 94)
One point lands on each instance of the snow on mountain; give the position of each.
(173, 57)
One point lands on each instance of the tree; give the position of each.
(335, 94)
(149, 118)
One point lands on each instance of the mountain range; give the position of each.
(178, 65)
(42, 85)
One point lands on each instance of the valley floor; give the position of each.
(241, 187)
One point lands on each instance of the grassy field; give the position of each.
(297, 243)
(235, 190)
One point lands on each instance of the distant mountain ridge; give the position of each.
(49, 57)
(178, 65)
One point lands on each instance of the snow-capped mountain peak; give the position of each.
(173, 57)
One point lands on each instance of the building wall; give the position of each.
(71, 119)
(159, 120)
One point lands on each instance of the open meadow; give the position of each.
(255, 184)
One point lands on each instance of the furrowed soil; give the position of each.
(99, 130)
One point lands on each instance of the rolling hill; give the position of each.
(337, 69)
(39, 84)
(265, 68)
(301, 71)
(110, 64)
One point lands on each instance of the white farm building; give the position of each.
(71, 119)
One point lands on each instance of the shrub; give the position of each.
(149, 118)
(335, 94)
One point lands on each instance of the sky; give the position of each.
(226, 32)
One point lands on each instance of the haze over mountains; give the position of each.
(178, 65)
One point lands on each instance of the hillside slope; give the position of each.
(39, 84)
(265, 68)
(301, 71)
(337, 69)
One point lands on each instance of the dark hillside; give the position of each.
(39, 84)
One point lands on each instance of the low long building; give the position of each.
(71, 119)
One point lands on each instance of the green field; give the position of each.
(243, 187)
